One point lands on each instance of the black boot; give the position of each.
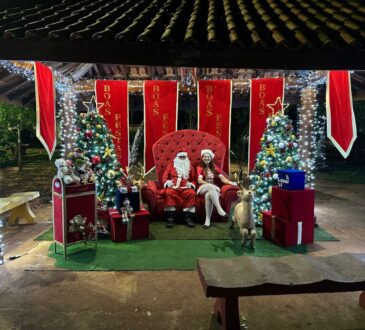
(188, 217)
(170, 216)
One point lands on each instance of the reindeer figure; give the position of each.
(243, 216)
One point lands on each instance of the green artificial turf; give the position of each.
(218, 231)
(159, 254)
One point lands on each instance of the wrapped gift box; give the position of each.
(137, 228)
(287, 233)
(291, 179)
(293, 205)
(133, 197)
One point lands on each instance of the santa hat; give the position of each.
(182, 153)
(207, 151)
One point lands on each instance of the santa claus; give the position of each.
(179, 183)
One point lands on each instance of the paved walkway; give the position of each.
(36, 295)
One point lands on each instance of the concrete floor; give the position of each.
(36, 295)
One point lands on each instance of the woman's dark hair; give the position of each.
(210, 165)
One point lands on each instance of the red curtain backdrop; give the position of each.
(113, 94)
(341, 125)
(214, 111)
(264, 92)
(45, 107)
(160, 114)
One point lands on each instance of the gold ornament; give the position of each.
(92, 178)
(98, 126)
(111, 174)
(270, 151)
(108, 152)
(289, 159)
(263, 163)
(270, 190)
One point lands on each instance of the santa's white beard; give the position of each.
(182, 167)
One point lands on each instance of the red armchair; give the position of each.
(164, 150)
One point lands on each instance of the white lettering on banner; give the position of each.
(300, 232)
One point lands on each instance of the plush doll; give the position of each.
(65, 172)
(243, 217)
(83, 169)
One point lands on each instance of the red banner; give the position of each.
(266, 99)
(45, 107)
(214, 111)
(113, 95)
(341, 124)
(160, 114)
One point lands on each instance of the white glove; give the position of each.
(168, 184)
(189, 185)
(233, 183)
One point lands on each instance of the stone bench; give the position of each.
(228, 279)
(18, 205)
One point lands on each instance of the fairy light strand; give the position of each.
(66, 100)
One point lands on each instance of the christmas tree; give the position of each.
(279, 150)
(95, 141)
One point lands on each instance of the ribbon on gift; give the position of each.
(300, 232)
(129, 229)
(128, 189)
(114, 212)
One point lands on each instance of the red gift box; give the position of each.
(287, 233)
(293, 205)
(137, 228)
(102, 214)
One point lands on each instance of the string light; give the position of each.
(66, 100)
(136, 144)
(311, 127)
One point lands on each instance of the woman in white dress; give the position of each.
(209, 175)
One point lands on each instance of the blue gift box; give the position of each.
(291, 179)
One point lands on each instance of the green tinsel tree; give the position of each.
(279, 150)
(96, 142)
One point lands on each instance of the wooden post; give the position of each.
(226, 311)
(362, 299)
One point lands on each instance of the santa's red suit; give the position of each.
(182, 192)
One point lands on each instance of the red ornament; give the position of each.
(88, 134)
(290, 145)
(95, 160)
(289, 127)
(267, 174)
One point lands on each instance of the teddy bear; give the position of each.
(65, 172)
(83, 169)
(243, 217)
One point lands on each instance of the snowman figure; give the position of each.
(126, 210)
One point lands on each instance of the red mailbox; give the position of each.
(74, 213)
